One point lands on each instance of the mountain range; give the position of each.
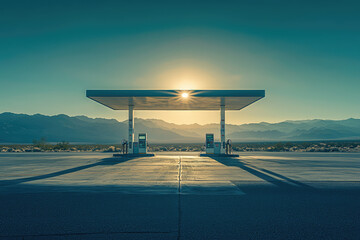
(23, 128)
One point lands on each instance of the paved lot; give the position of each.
(180, 196)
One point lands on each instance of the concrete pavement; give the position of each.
(180, 196)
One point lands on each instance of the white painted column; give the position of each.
(131, 129)
(222, 128)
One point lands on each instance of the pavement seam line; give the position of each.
(179, 200)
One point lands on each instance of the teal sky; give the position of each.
(305, 54)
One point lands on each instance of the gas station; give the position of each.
(187, 100)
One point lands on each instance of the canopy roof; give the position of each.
(175, 99)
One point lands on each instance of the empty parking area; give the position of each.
(259, 195)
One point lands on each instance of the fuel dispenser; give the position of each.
(142, 143)
(215, 147)
(139, 147)
(209, 143)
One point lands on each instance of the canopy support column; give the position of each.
(222, 128)
(131, 129)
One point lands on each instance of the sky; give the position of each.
(304, 54)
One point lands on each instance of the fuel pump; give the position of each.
(209, 143)
(142, 143)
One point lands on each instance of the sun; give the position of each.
(185, 95)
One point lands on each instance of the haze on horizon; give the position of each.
(306, 55)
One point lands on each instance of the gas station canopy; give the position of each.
(175, 99)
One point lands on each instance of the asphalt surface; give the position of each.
(180, 196)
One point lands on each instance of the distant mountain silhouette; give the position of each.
(22, 128)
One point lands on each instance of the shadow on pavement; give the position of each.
(105, 161)
(264, 174)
